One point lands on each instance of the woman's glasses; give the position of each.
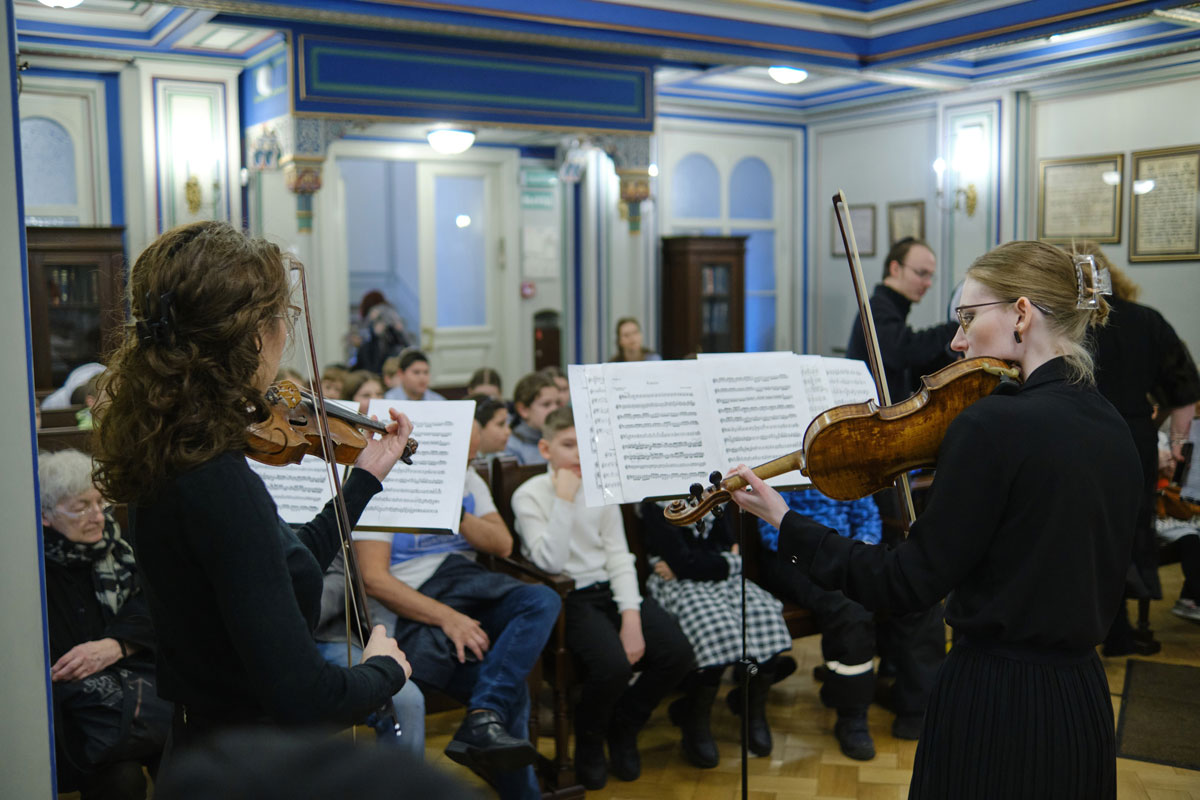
(81, 509)
(966, 316)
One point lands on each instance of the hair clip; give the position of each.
(1093, 280)
(162, 330)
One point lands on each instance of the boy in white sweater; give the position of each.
(611, 628)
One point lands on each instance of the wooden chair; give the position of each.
(51, 440)
(59, 417)
(558, 773)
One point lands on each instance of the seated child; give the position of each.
(560, 382)
(407, 377)
(535, 397)
(611, 629)
(697, 579)
(485, 380)
(492, 416)
(362, 387)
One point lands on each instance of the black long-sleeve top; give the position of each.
(75, 615)
(235, 594)
(1139, 353)
(690, 556)
(907, 354)
(1029, 524)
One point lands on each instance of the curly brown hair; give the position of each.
(174, 404)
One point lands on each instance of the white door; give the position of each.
(461, 260)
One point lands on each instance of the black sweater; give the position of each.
(907, 354)
(690, 556)
(1029, 523)
(235, 594)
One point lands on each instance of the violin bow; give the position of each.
(874, 356)
(355, 591)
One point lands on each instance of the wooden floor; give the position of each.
(806, 762)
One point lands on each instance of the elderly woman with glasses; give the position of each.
(97, 616)
(1028, 530)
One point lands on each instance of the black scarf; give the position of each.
(111, 559)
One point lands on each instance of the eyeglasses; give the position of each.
(923, 274)
(82, 510)
(965, 320)
(966, 316)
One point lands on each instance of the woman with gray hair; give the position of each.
(101, 639)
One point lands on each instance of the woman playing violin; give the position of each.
(233, 591)
(1027, 529)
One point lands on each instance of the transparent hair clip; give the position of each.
(1093, 280)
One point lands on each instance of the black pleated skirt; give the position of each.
(1007, 723)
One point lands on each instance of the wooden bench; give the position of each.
(60, 417)
(51, 440)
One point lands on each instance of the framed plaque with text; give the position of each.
(1080, 198)
(1164, 218)
(906, 219)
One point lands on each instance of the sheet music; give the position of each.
(651, 429)
(300, 491)
(761, 410)
(594, 430)
(426, 496)
(663, 424)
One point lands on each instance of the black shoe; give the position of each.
(760, 742)
(692, 713)
(908, 726)
(821, 673)
(853, 736)
(623, 757)
(481, 741)
(784, 667)
(1128, 645)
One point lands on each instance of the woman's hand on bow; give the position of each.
(380, 455)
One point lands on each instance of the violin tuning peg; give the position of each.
(696, 490)
(715, 477)
(718, 511)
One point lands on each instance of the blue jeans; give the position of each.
(408, 703)
(517, 618)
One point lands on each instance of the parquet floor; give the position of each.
(806, 762)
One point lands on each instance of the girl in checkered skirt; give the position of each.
(697, 579)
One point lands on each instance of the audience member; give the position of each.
(697, 579)
(485, 380)
(90, 392)
(333, 381)
(492, 416)
(362, 387)
(1181, 524)
(469, 632)
(109, 722)
(407, 377)
(382, 335)
(629, 342)
(560, 382)
(61, 397)
(611, 629)
(534, 398)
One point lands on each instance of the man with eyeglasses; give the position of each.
(908, 273)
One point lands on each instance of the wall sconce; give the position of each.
(969, 166)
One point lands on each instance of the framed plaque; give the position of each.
(862, 219)
(1080, 198)
(1164, 217)
(906, 219)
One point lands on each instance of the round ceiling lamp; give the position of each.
(787, 75)
(60, 3)
(450, 141)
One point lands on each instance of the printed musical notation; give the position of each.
(651, 429)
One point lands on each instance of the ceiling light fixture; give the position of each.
(787, 75)
(60, 3)
(450, 141)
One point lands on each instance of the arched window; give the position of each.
(47, 163)
(751, 190)
(696, 188)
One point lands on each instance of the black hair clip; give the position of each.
(161, 330)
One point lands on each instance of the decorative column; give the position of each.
(631, 158)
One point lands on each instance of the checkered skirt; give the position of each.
(710, 615)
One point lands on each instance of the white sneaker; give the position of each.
(1187, 609)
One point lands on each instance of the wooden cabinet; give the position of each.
(76, 298)
(703, 297)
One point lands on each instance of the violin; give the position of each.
(855, 450)
(292, 431)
